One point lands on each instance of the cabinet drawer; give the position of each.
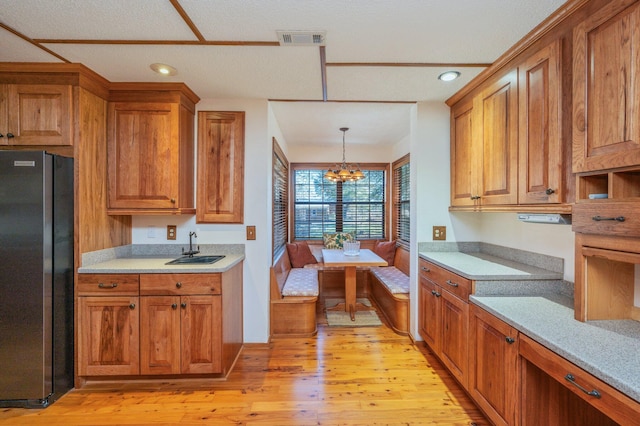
(610, 401)
(448, 280)
(180, 284)
(429, 271)
(455, 284)
(108, 285)
(606, 218)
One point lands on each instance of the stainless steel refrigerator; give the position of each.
(36, 278)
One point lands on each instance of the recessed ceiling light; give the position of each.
(449, 75)
(163, 69)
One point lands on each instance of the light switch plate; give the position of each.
(251, 232)
(171, 232)
(439, 233)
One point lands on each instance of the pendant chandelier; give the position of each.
(344, 172)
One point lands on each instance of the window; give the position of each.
(401, 201)
(280, 206)
(321, 206)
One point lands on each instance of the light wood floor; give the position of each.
(343, 376)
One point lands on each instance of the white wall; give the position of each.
(257, 201)
(333, 154)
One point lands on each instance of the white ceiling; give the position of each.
(414, 34)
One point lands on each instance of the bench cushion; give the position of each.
(393, 278)
(301, 282)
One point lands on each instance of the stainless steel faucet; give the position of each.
(191, 251)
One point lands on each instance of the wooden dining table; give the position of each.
(337, 258)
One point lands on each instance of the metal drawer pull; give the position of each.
(600, 218)
(509, 340)
(435, 293)
(569, 377)
(424, 268)
(451, 283)
(103, 285)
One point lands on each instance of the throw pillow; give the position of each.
(334, 241)
(386, 250)
(300, 254)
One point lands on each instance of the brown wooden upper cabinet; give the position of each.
(541, 165)
(220, 196)
(35, 114)
(151, 149)
(485, 142)
(463, 158)
(606, 88)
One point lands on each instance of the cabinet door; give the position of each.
(108, 336)
(38, 114)
(496, 109)
(541, 154)
(454, 347)
(160, 335)
(493, 366)
(220, 190)
(463, 157)
(143, 155)
(606, 89)
(430, 314)
(201, 324)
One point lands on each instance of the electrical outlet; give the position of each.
(171, 232)
(251, 232)
(439, 233)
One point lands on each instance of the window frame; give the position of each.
(385, 167)
(398, 203)
(279, 156)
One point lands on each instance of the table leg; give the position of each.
(350, 305)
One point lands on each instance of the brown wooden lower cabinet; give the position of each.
(517, 381)
(108, 336)
(556, 392)
(180, 334)
(444, 317)
(493, 366)
(159, 324)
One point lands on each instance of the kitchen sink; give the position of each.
(186, 260)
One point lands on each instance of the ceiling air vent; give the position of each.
(301, 38)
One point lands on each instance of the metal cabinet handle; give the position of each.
(475, 197)
(510, 340)
(10, 135)
(103, 285)
(600, 218)
(178, 284)
(451, 283)
(183, 305)
(1, 135)
(435, 293)
(132, 306)
(550, 191)
(594, 393)
(424, 268)
(173, 201)
(174, 306)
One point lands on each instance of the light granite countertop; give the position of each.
(157, 265)
(152, 259)
(483, 266)
(609, 350)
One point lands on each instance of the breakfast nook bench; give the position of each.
(389, 289)
(294, 295)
